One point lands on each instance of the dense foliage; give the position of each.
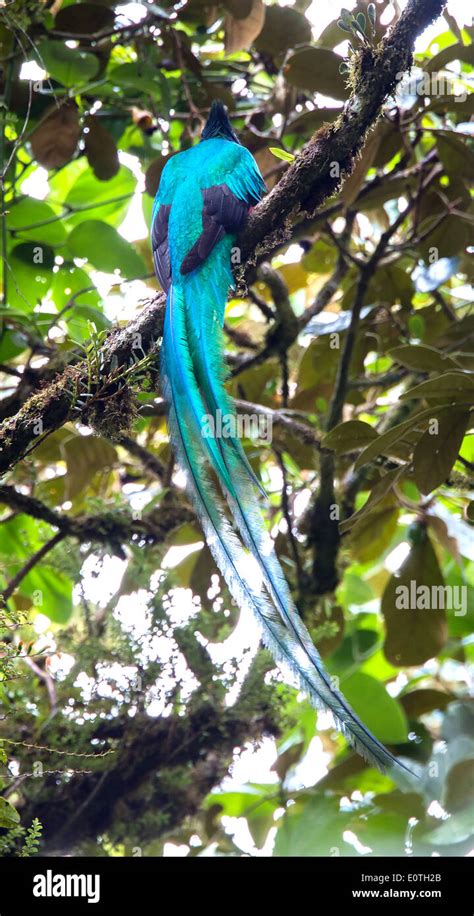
(128, 680)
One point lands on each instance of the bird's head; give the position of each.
(218, 124)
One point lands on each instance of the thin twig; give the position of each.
(30, 564)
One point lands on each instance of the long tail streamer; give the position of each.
(193, 374)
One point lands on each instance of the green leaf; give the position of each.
(374, 197)
(48, 589)
(356, 648)
(422, 358)
(103, 247)
(85, 456)
(45, 222)
(384, 826)
(62, 181)
(320, 258)
(346, 16)
(449, 238)
(361, 21)
(458, 827)
(349, 436)
(139, 76)
(457, 386)
(283, 28)
(437, 450)
(281, 153)
(69, 66)
(12, 343)
(9, 816)
(317, 70)
(79, 320)
(417, 326)
(456, 154)
(383, 519)
(110, 200)
(380, 712)
(54, 591)
(314, 828)
(71, 281)
(353, 590)
(414, 614)
(380, 489)
(30, 275)
(389, 443)
(239, 803)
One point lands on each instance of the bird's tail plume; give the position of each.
(193, 374)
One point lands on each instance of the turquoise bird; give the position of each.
(202, 202)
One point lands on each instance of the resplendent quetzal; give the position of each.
(202, 202)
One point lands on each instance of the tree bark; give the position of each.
(304, 187)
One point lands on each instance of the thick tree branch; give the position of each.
(304, 187)
(53, 405)
(177, 759)
(112, 529)
(310, 180)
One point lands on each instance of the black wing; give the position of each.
(159, 244)
(222, 212)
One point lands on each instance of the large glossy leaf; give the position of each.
(30, 275)
(91, 198)
(349, 436)
(241, 31)
(284, 28)
(54, 140)
(313, 827)
(382, 519)
(413, 605)
(317, 70)
(422, 359)
(35, 220)
(100, 149)
(438, 448)
(9, 816)
(84, 18)
(455, 386)
(403, 434)
(103, 247)
(47, 589)
(380, 712)
(70, 66)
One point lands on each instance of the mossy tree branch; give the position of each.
(161, 764)
(112, 529)
(304, 187)
(311, 179)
